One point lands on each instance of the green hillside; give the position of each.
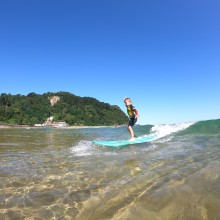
(75, 110)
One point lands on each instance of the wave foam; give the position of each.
(162, 130)
(84, 148)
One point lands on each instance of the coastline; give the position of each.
(6, 126)
(13, 126)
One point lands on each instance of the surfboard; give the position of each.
(120, 143)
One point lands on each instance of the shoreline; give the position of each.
(13, 126)
(6, 126)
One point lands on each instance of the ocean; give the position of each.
(50, 173)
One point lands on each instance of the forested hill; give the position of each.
(63, 106)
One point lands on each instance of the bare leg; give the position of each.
(131, 132)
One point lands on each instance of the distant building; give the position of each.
(39, 125)
(60, 125)
(51, 123)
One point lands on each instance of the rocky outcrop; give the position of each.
(54, 100)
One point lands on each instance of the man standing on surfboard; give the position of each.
(133, 114)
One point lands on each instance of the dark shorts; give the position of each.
(132, 122)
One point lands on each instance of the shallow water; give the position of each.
(60, 174)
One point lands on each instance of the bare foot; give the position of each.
(132, 139)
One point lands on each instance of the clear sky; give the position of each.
(165, 55)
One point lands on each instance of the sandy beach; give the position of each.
(13, 126)
(69, 127)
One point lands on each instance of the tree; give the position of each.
(75, 110)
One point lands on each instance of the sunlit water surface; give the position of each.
(61, 174)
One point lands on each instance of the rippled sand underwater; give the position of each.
(60, 174)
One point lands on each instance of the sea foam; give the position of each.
(162, 130)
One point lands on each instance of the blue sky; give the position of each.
(165, 55)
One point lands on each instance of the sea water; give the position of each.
(60, 174)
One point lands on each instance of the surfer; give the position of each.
(132, 114)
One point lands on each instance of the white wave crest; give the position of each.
(162, 130)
